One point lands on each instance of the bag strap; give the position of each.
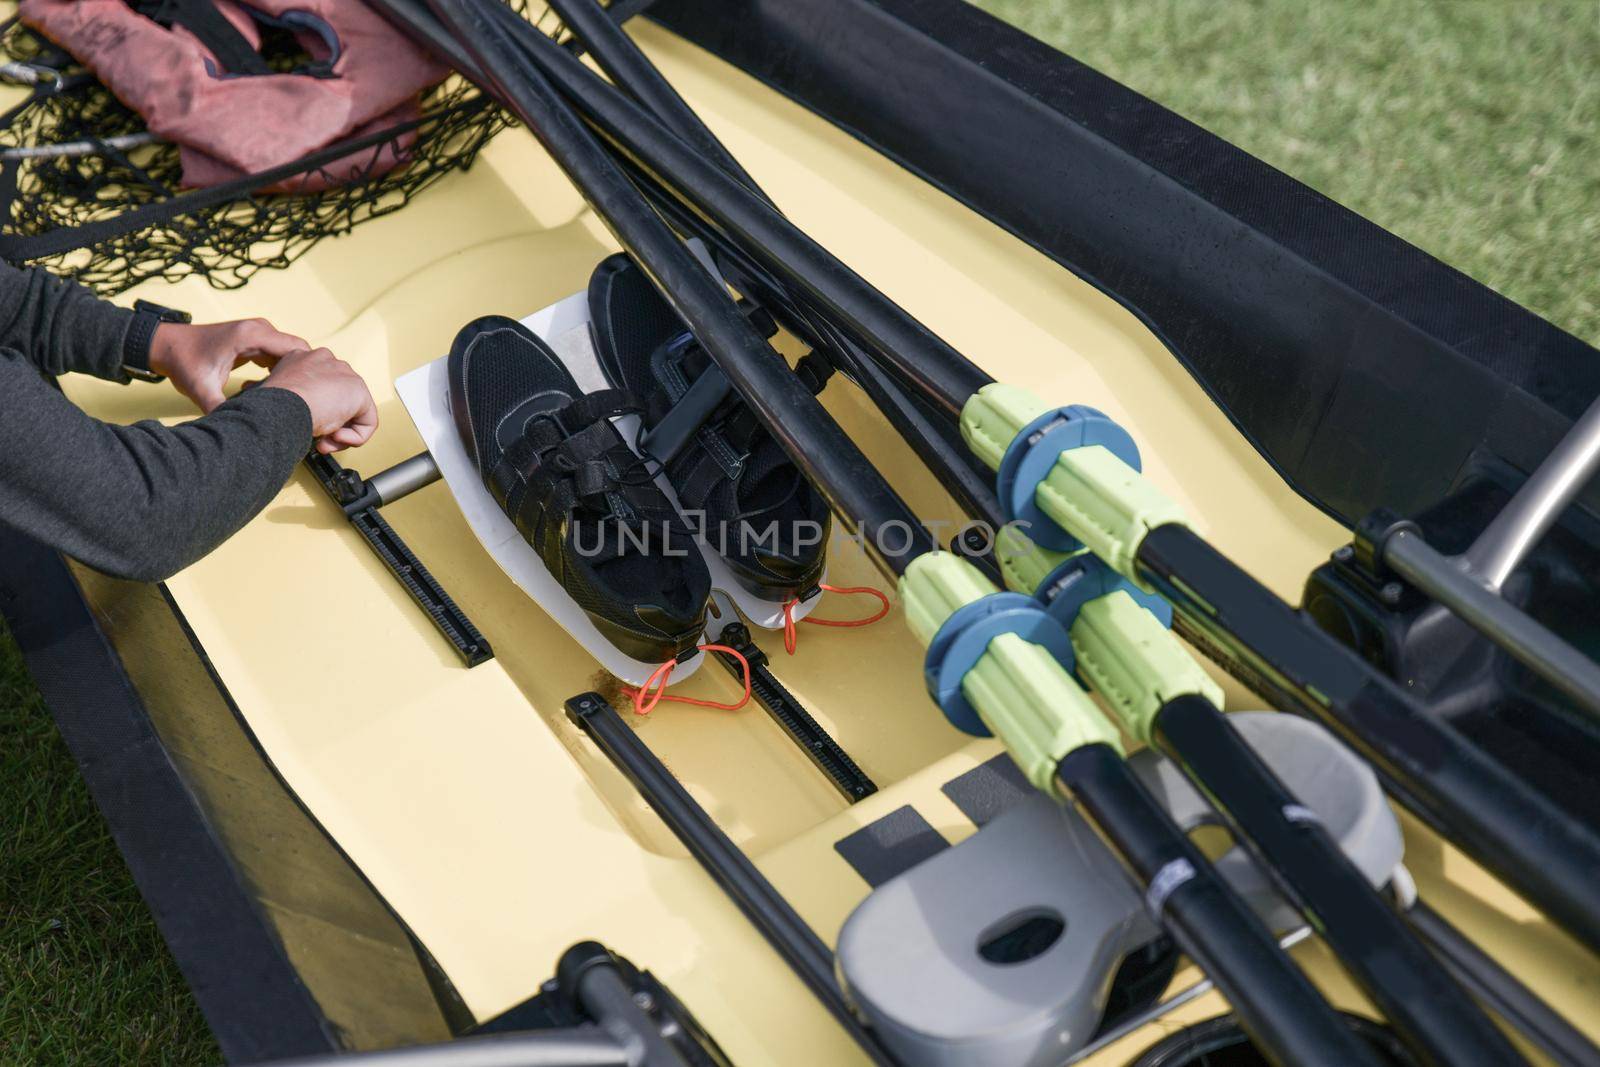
(233, 50)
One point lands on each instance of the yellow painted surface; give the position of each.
(489, 824)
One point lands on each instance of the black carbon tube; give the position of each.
(823, 452)
(1277, 1005)
(1495, 817)
(747, 887)
(1429, 1009)
(631, 71)
(941, 373)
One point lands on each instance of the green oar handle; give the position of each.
(1135, 663)
(1090, 492)
(1122, 650)
(1021, 693)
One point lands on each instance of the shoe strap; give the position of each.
(569, 455)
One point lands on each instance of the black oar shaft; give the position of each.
(827, 456)
(1427, 1006)
(940, 372)
(633, 72)
(1277, 1005)
(1504, 992)
(948, 457)
(1497, 819)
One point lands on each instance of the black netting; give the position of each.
(71, 156)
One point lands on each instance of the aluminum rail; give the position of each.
(404, 478)
(1508, 626)
(1538, 504)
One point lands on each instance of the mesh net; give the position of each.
(72, 155)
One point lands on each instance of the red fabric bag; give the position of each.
(367, 76)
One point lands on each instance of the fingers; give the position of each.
(355, 433)
(258, 341)
(361, 427)
(343, 413)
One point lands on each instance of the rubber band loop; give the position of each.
(790, 635)
(656, 686)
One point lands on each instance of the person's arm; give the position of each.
(145, 501)
(141, 501)
(60, 326)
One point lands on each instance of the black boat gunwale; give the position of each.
(51, 617)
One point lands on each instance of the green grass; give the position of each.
(1469, 127)
(84, 976)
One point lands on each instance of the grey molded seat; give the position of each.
(910, 955)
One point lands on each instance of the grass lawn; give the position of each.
(1469, 127)
(84, 976)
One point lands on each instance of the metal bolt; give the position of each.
(1344, 554)
(1391, 592)
(349, 486)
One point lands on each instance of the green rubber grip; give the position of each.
(1036, 709)
(934, 585)
(1135, 663)
(1090, 493)
(993, 416)
(1106, 504)
(1023, 564)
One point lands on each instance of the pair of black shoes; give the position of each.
(591, 508)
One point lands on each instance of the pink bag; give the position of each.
(365, 76)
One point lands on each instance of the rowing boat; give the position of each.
(354, 840)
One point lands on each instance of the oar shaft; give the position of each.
(940, 372)
(1496, 818)
(1432, 1012)
(633, 72)
(824, 453)
(1277, 1005)
(943, 452)
(1503, 991)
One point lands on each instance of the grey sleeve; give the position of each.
(141, 501)
(60, 326)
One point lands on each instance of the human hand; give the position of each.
(198, 359)
(342, 412)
